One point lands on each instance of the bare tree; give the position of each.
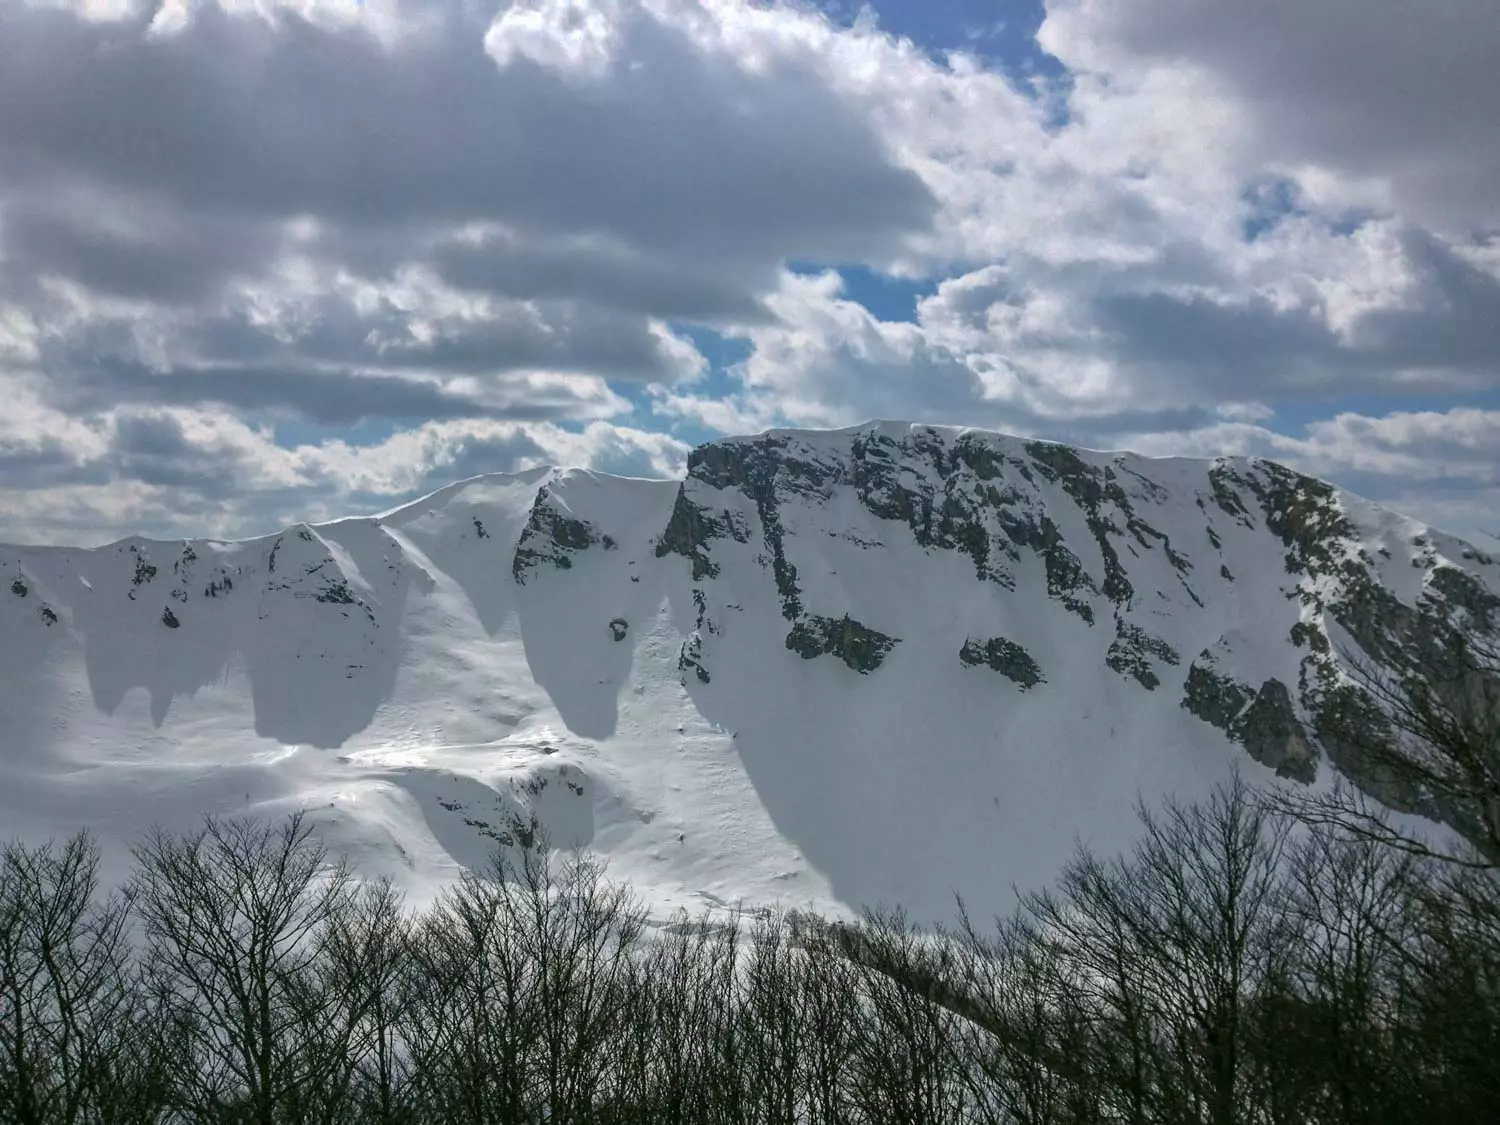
(363, 1005)
(1448, 1030)
(904, 1037)
(1166, 945)
(775, 1021)
(1321, 1037)
(1028, 1036)
(517, 998)
(468, 1021)
(683, 973)
(237, 922)
(68, 1008)
(834, 1011)
(577, 933)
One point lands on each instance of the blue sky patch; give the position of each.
(1269, 202)
(885, 296)
(1001, 32)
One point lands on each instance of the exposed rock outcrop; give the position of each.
(1133, 650)
(1264, 720)
(551, 538)
(1004, 656)
(860, 647)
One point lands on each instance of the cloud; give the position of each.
(1382, 90)
(1027, 345)
(127, 249)
(432, 214)
(174, 470)
(236, 116)
(615, 277)
(338, 358)
(286, 258)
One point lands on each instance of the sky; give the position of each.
(264, 261)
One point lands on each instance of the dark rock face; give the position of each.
(947, 520)
(1274, 736)
(1265, 722)
(1004, 656)
(336, 592)
(1303, 512)
(302, 574)
(861, 648)
(958, 498)
(1132, 651)
(1222, 479)
(1006, 505)
(1338, 581)
(145, 569)
(760, 470)
(550, 538)
(1461, 589)
(219, 586)
(1216, 699)
(1408, 644)
(618, 628)
(690, 659)
(688, 534)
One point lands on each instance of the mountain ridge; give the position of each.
(886, 645)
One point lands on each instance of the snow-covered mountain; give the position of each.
(880, 664)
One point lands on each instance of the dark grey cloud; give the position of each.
(570, 336)
(331, 398)
(1456, 323)
(1248, 348)
(154, 450)
(622, 280)
(558, 336)
(148, 254)
(334, 364)
(48, 464)
(235, 116)
(179, 170)
(149, 448)
(1385, 88)
(1446, 333)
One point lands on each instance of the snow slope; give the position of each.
(877, 665)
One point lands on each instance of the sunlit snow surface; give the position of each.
(393, 676)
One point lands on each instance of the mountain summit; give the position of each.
(874, 665)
